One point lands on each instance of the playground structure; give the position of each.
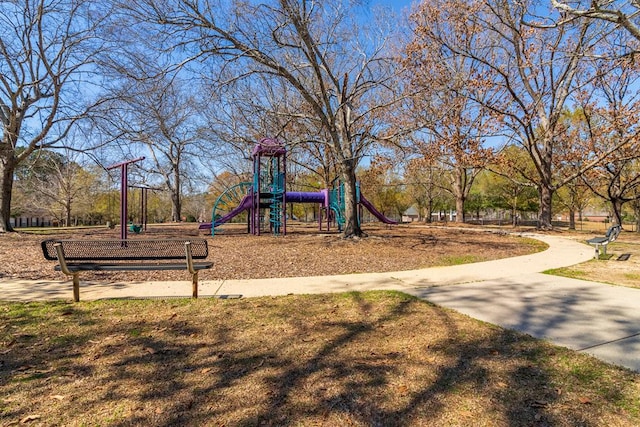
(124, 200)
(143, 210)
(265, 198)
(124, 185)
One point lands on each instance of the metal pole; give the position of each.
(284, 194)
(123, 201)
(257, 203)
(124, 188)
(143, 207)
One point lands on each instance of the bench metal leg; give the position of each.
(194, 285)
(193, 271)
(600, 253)
(76, 288)
(63, 267)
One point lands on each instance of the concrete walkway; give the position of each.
(595, 318)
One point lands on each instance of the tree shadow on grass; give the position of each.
(361, 358)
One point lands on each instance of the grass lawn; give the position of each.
(621, 265)
(364, 359)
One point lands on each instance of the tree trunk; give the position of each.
(67, 209)
(420, 208)
(351, 225)
(636, 212)
(545, 213)
(176, 199)
(572, 219)
(617, 211)
(176, 207)
(6, 188)
(460, 209)
(460, 192)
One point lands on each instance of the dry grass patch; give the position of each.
(620, 267)
(377, 358)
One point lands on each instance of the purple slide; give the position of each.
(245, 204)
(367, 204)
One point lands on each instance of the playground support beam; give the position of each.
(123, 193)
(144, 197)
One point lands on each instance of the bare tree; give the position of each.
(253, 108)
(320, 50)
(158, 118)
(426, 179)
(45, 47)
(171, 136)
(55, 181)
(452, 127)
(625, 14)
(605, 126)
(574, 197)
(530, 72)
(635, 205)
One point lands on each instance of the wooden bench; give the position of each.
(76, 256)
(611, 235)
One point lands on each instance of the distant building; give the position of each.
(34, 218)
(411, 215)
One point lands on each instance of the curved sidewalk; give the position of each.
(600, 319)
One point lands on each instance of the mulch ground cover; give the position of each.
(304, 251)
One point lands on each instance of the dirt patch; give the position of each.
(304, 251)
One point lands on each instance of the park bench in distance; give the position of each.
(611, 235)
(76, 256)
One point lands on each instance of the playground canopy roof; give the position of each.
(269, 146)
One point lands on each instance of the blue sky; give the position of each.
(397, 5)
